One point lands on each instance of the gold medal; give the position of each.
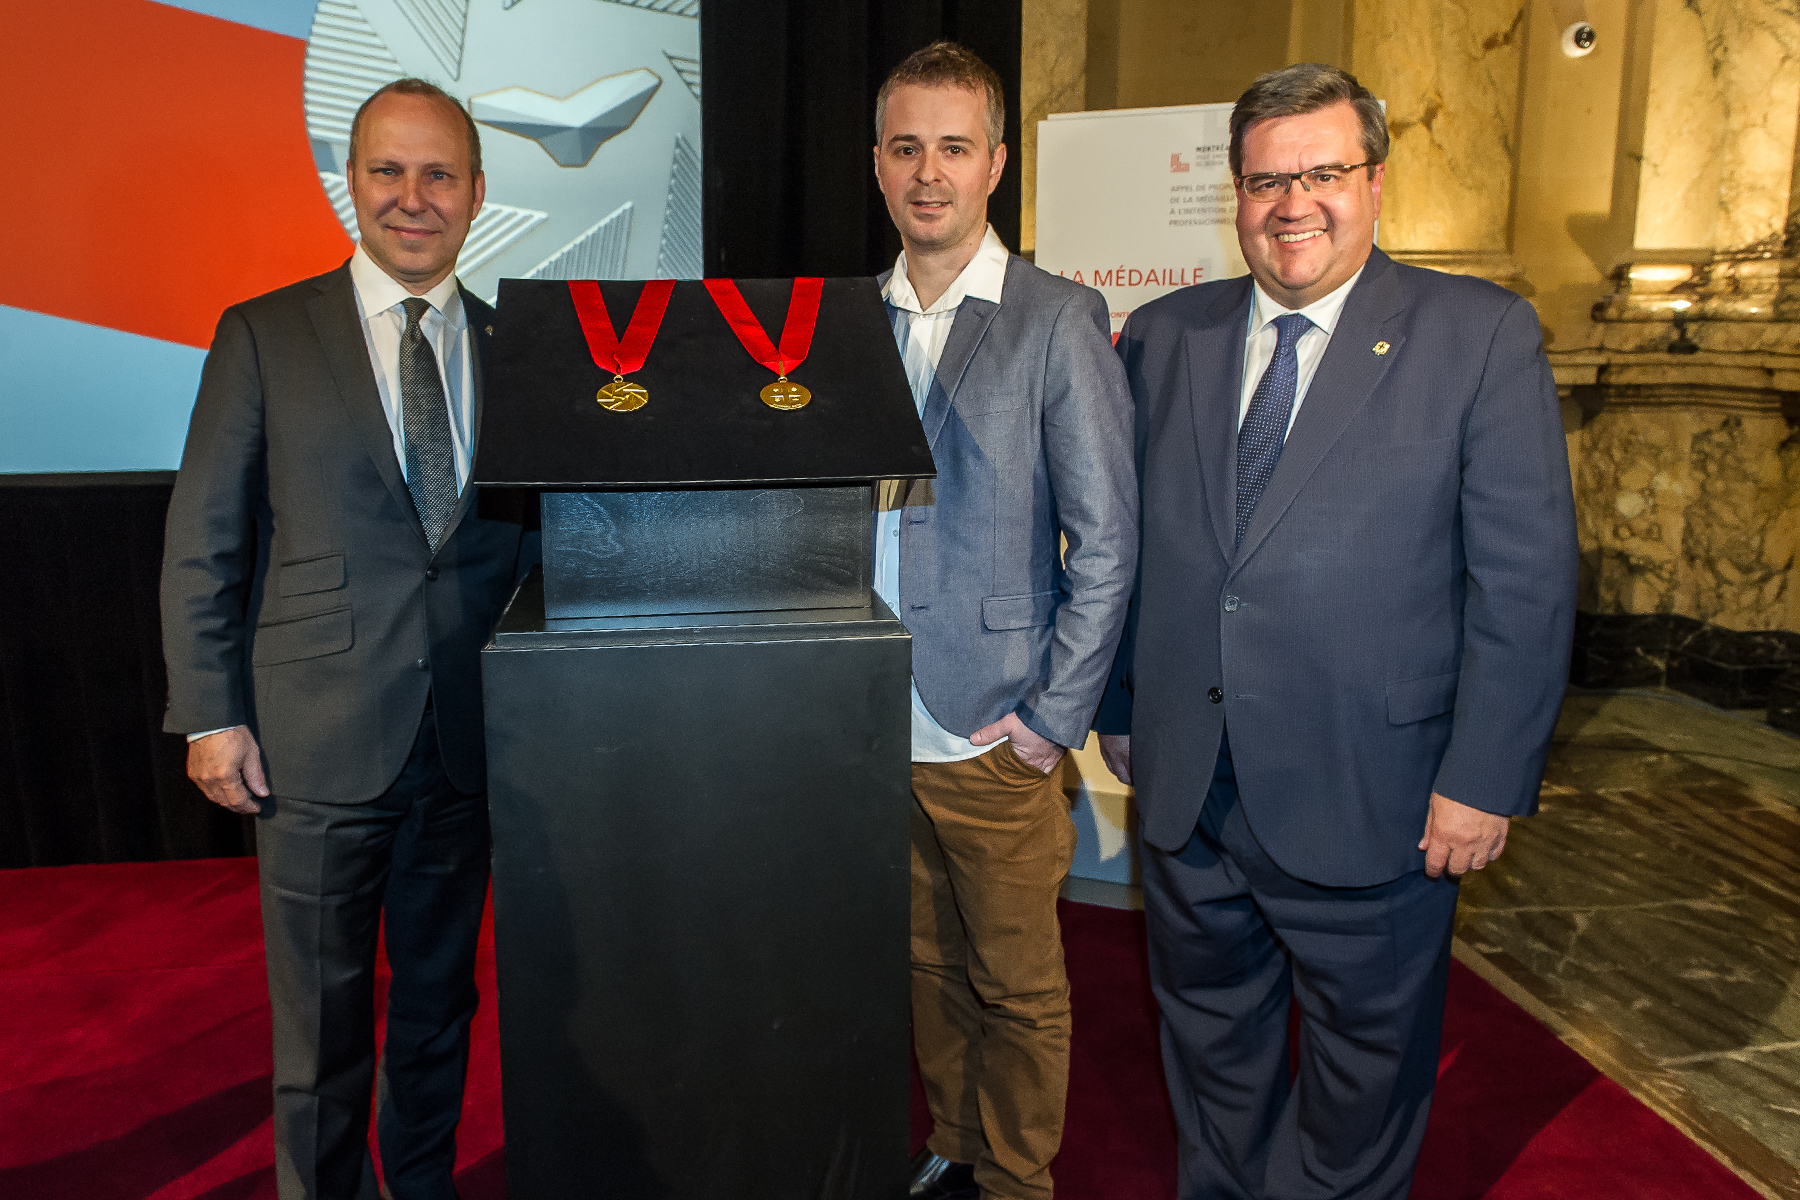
(785, 395)
(621, 395)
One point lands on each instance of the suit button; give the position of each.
(425, 665)
(431, 574)
(1215, 695)
(1231, 603)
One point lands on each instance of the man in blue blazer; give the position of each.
(1011, 570)
(1345, 655)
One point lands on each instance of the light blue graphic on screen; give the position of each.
(77, 397)
(290, 17)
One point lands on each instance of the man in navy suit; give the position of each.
(1345, 655)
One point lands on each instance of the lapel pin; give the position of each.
(1378, 347)
(490, 331)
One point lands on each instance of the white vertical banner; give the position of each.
(1138, 201)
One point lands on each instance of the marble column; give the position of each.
(1052, 79)
(1449, 71)
(1688, 470)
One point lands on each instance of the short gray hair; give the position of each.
(1304, 88)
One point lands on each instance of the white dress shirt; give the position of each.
(378, 299)
(921, 337)
(1259, 348)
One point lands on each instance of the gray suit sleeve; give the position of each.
(1114, 714)
(209, 547)
(1088, 446)
(1518, 530)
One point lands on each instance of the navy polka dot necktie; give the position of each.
(1265, 426)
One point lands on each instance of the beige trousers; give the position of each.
(991, 844)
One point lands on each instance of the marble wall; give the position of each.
(1719, 128)
(1053, 59)
(1678, 508)
(1450, 74)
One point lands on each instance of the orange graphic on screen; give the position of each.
(158, 168)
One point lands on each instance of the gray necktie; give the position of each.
(430, 453)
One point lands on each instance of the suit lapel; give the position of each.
(1215, 370)
(339, 329)
(1346, 378)
(971, 325)
(478, 323)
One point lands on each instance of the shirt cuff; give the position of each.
(194, 737)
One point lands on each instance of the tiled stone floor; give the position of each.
(1650, 914)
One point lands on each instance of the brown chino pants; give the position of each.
(991, 844)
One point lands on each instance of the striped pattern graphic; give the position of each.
(598, 253)
(681, 254)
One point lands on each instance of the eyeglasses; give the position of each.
(1271, 186)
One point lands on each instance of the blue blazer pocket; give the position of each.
(311, 636)
(1410, 700)
(973, 402)
(324, 573)
(1018, 612)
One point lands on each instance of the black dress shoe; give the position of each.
(935, 1177)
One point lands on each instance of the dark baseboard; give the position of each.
(1728, 668)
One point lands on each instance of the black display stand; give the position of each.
(699, 764)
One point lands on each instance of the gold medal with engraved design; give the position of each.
(616, 354)
(785, 395)
(796, 336)
(622, 395)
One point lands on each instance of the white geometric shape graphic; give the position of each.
(675, 8)
(681, 255)
(597, 254)
(346, 60)
(496, 227)
(440, 24)
(556, 48)
(573, 127)
(688, 69)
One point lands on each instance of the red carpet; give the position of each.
(134, 1062)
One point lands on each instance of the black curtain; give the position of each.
(86, 773)
(788, 99)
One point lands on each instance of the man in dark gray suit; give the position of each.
(1347, 649)
(327, 586)
(1025, 408)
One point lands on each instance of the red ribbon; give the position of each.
(621, 357)
(796, 331)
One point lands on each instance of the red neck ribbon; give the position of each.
(796, 331)
(620, 356)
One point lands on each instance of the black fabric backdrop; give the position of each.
(86, 775)
(789, 102)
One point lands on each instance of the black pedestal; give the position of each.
(700, 896)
